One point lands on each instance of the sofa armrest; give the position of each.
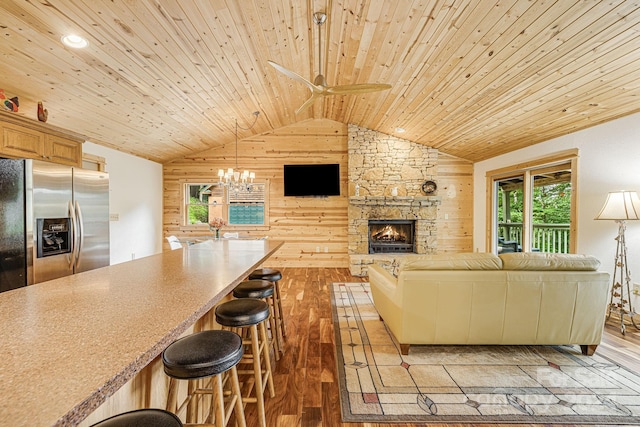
(383, 281)
(385, 294)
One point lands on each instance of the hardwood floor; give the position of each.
(305, 377)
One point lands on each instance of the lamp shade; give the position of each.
(620, 205)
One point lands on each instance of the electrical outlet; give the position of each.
(636, 288)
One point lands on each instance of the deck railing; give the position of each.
(546, 237)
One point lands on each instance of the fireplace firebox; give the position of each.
(391, 236)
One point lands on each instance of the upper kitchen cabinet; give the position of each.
(25, 138)
(63, 150)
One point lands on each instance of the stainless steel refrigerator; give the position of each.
(54, 221)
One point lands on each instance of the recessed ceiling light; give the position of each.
(400, 130)
(74, 41)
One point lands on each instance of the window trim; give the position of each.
(526, 170)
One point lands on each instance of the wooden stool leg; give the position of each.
(268, 376)
(273, 326)
(192, 406)
(257, 369)
(218, 400)
(237, 399)
(281, 328)
(172, 396)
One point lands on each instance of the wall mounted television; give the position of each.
(312, 180)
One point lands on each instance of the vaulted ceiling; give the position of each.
(163, 79)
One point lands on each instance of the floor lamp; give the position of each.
(621, 206)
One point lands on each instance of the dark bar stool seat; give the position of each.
(202, 355)
(262, 289)
(250, 315)
(142, 418)
(269, 274)
(273, 276)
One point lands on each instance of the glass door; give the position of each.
(551, 215)
(509, 209)
(533, 210)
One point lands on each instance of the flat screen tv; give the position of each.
(312, 180)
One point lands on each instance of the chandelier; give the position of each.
(232, 178)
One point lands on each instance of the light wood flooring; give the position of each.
(305, 377)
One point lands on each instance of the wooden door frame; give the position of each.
(525, 169)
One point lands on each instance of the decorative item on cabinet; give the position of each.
(11, 104)
(43, 113)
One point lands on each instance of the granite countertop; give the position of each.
(68, 344)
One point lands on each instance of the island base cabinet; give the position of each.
(149, 387)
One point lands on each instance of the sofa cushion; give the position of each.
(459, 261)
(547, 261)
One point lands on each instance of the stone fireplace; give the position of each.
(386, 174)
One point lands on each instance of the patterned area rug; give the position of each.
(470, 384)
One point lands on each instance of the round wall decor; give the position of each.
(429, 187)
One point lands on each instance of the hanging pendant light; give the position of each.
(232, 178)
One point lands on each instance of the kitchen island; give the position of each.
(68, 344)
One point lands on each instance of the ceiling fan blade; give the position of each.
(319, 87)
(295, 76)
(314, 97)
(357, 88)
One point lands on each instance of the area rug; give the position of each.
(470, 384)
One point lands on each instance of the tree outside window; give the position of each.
(203, 202)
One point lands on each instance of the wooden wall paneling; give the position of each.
(455, 213)
(315, 229)
(307, 224)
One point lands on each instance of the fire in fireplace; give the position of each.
(391, 235)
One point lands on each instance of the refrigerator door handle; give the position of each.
(74, 235)
(80, 233)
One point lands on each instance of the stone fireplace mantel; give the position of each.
(417, 201)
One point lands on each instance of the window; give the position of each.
(532, 206)
(204, 201)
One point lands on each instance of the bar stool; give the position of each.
(142, 418)
(262, 289)
(250, 315)
(273, 276)
(199, 356)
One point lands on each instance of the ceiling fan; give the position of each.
(319, 87)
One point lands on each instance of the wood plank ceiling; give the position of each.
(163, 79)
